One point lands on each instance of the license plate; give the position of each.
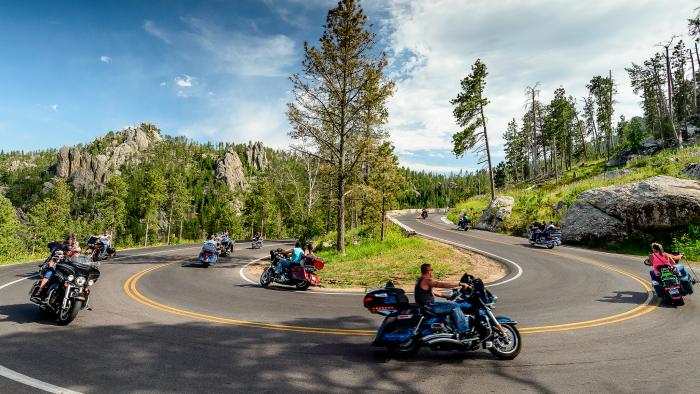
(673, 291)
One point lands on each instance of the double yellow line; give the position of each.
(132, 291)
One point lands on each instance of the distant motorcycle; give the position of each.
(301, 276)
(227, 245)
(408, 327)
(95, 248)
(68, 289)
(545, 239)
(424, 214)
(464, 225)
(209, 254)
(256, 243)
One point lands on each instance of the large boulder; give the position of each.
(608, 213)
(647, 148)
(230, 169)
(89, 170)
(493, 216)
(692, 170)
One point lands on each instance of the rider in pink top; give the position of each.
(658, 257)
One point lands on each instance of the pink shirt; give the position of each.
(659, 260)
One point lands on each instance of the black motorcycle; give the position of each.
(424, 214)
(464, 224)
(408, 327)
(95, 249)
(301, 276)
(227, 245)
(68, 290)
(256, 243)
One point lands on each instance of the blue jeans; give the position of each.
(458, 319)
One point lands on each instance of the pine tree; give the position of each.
(469, 114)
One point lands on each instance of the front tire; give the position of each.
(266, 277)
(65, 317)
(507, 348)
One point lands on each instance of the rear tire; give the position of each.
(404, 350)
(512, 350)
(550, 245)
(303, 285)
(266, 277)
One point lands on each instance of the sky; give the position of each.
(219, 70)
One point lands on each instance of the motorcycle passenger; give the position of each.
(296, 257)
(658, 258)
(425, 294)
(106, 240)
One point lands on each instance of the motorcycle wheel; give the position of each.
(550, 245)
(404, 350)
(69, 314)
(266, 277)
(303, 285)
(511, 349)
(205, 264)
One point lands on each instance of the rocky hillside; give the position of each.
(90, 167)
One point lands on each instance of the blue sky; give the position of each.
(218, 70)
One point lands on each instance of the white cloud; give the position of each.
(105, 59)
(54, 107)
(182, 94)
(231, 52)
(183, 81)
(155, 31)
(163, 83)
(432, 46)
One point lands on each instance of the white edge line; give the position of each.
(502, 259)
(26, 380)
(48, 387)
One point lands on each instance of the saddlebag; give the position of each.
(298, 272)
(314, 262)
(388, 299)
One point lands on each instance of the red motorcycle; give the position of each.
(301, 276)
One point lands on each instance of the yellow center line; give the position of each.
(130, 288)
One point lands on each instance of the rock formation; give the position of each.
(94, 164)
(692, 170)
(230, 169)
(493, 216)
(648, 148)
(255, 154)
(608, 213)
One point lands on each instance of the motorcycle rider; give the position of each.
(464, 220)
(658, 258)
(296, 257)
(425, 294)
(70, 248)
(106, 240)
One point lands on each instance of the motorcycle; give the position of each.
(226, 246)
(669, 285)
(95, 247)
(209, 254)
(547, 240)
(301, 276)
(408, 327)
(256, 243)
(464, 225)
(424, 214)
(68, 290)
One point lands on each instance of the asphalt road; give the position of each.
(160, 323)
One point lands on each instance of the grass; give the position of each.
(550, 200)
(371, 263)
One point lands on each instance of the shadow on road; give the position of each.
(202, 357)
(626, 297)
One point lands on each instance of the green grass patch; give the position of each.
(371, 262)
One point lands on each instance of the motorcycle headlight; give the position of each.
(91, 282)
(70, 278)
(80, 281)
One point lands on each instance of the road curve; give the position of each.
(161, 323)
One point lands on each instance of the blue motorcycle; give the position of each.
(209, 254)
(408, 327)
